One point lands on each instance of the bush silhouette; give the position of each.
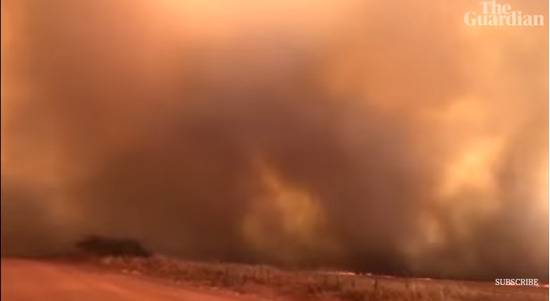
(104, 246)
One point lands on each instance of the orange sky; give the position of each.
(376, 135)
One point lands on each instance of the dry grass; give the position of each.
(317, 285)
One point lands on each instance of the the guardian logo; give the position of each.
(501, 14)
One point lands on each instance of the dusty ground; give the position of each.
(165, 279)
(29, 280)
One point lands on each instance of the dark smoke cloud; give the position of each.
(374, 137)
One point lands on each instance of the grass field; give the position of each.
(283, 284)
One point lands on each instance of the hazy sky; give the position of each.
(382, 136)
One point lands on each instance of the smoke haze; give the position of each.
(366, 135)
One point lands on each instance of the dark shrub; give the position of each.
(104, 246)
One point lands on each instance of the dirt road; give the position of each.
(29, 280)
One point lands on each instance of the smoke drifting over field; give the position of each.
(369, 136)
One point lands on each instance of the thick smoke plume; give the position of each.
(381, 136)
